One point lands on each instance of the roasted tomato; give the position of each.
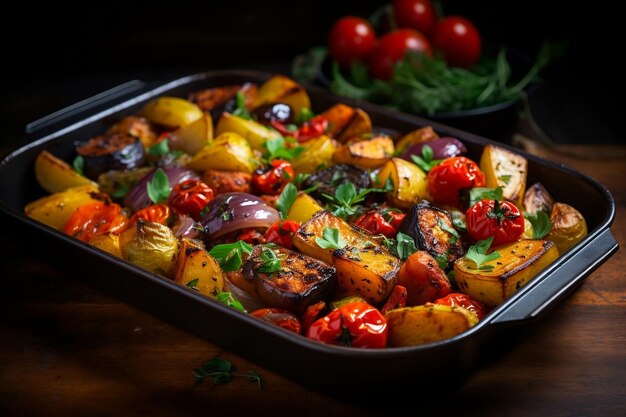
(315, 127)
(281, 318)
(451, 177)
(465, 301)
(356, 324)
(282, 232)
(500, 219)
(385, 222)
(95, 219)
(158, 213)
(397, 299)
(274, 178)
(190, 197)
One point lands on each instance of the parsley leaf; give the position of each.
(478, 254)
(220, 371)
(159, 149)
(331, 239)
(482, 193)
(277, 150)
(458, 220)
(442, 260)
(541, 223)
(346, 198)
(193, 283)
(229, 299)
(230, 255)
(159, 188)
(271, 262)
(444, 226)
(240, 106)
(286, 199)
(426, 161)
(78, 164)
(402, 246)
(301, 177)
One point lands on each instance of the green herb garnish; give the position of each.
(277, 150)
(444, 226)
(78, 164)
(442, 260)
(220, 371)
(344, 203)
(402, 246)
(227, 298)
(193, 283)
(159, 149)
(478, 254)
(286, 199)
(426, 161)
(331, 239)
(482, 193)
(505, 178)
(541, 224)
(304, 116)
(240, 106)
(230, 255)
(271, 263)
(458, 220)
(159, 188)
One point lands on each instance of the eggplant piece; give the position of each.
(537, 198)
(330, 178)
(433, 231)
(222, 99)
(298, 282)
(136, 126)
(273, 112)
(117, 151)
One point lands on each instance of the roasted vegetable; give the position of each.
(421, 135)
(412, 326)
(56, 209)
(139, 198)
(327, 180)
(136, 126)
(280, 89)
(286, 279)
(55, 175)
(408, 180)
(442, 148)
(506, 169)
(537, 198)
(339, 117)
(94, 219)
(463, 300)
(151, 246)
(119, 151)
(359, 124)
(228, 152)
(433, 231)
(171, 112)
(423, 279)
(303, 208)
(273, 112)
(397, 299)
(108, 242)
(196, 269)
(220, 99)
(119, 183)
(369, 154)
(281, 318)
(305, 239)
(317, 154)
(227, 181)
(568, 226)
(194, 136)
(498, 279)
(255, 133)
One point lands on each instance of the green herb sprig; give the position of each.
(159, 188)
(221, 371)
(541, 224)
(331, 239)
(286, 199)
(277, 149)
(230, 255)
(478, 254)
(426, 161)
(346, 200)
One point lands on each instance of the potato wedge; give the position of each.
(409, 182)
(303, 208)
(171, 112)
(410, 326)
(369, 154)
(56, 209)
(255, 133)
(193, 137)
(338, 116)
(285, 90)
(423, 134)
(359, 124)
(568, 226)
(519, 262)
(537, 198)
(317, 153)
(197, 269)
(55, 175)
(506, 169)
(151, 246)
(108, 242)
(228, 152)
(304, 238)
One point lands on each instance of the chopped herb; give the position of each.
(226, 215)
(193, 283)
(405, 246)
(277, 150)
(230, 255)
(426, 161)
(291, 127)
(220, 371)
(301, 177)
(229, 299)
(442, 260)
(331, 239)
(458, 220)
(444, 226)
(159, 188)
(482, 193)
(240, 106)
(121, 191)
(304, 116)
(78, 164)
(541, 224)
(478, 254)
(346, 198)
(159, 149)
(505, 178)
(271, 262)
(286, 199)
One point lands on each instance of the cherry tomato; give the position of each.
(157, 213)
(282, 232)
(500, 219)
(392, 47)
(393, 217)
(465, 301)
(351, 39)
(251, 236)
(447, 180)
(356, 324)
(280, 318)
(190, 197)
(459, 41)
(376, 224)
(94, 219)
(312, 314)
(273, 179)
(415, 14)
(397, 299)
(314, 128)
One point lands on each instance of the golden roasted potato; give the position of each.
(338, 116)
(303, 208)
(284, 90)
(409, 181)
(56, 209)
(197, 269)
(410, 326)
(151, 246)
(317, 153)
(506, 169)
(423, 134)
(304, 238)
(568, 226)
(228, 152)
(537, 198)
(359, 124)
(500, 278)
(55, 175)
(371, 153)
(255, 133)
(194, 136)
(171, 112)
(108, 242)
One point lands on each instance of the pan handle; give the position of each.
(81, 109)
(547, 292)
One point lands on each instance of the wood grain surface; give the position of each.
(68, 350)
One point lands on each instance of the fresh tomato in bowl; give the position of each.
(351, 39)
(415, 14)
(392, 47)
(459, 41)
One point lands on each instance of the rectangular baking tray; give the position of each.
(313, 364)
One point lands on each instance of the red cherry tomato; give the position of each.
(392, 47)
(465, 301)
(351, 39)
(459, 41)
(251, 236)
(94, 219)
(397, 299)
(415, 14)
(500, 219)
(282, 232)
(157, 213)
(355, 324)
(190, 197)
(447, 180)
(315, 127)
(273, 179)
(280, 318)
(376, 224)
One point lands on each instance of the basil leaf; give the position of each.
(405, 246)
(159, 188)
(78, 164)
(478, 254)
(481, 193)
(230, 255)
(286, 199)
(541, 224)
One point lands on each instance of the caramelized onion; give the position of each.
(443, 148)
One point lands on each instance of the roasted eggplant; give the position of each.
(273, 112)
(220, 99)
(327, 180)
(294, 283)
(433, 231)
(117, 151)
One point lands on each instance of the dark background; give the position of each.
(58, 56)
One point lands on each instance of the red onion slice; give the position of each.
(138, 196)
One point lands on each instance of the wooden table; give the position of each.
(68, 350)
